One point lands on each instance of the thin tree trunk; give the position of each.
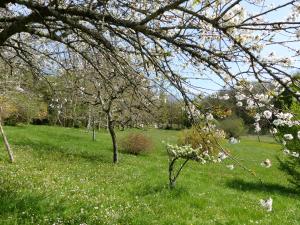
(94, 131)
(110, 126)
(88, 127)
(58, 121)
(172, 176)
(99, 122)
(172, 181)
(7, 146)
(74, 111)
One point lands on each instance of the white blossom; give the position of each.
(224, 97)
(288, 136)
(267, 114)
(233, 140)
(277, 122)
(286, 151)
(239, 104)
(222, 155)
(257, 127)
(240, 97)
(18, 88)
(273, 131)
(257, 117)
(209, 116)
(250, 104)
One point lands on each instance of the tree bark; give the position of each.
(172, 176)
(110, 125)
(172, 181)
(88, 126)
(94, 131)
(7, 146)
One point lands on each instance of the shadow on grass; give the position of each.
(161, 189)
(43, 148)
(148, 189)
(26, 207)
(262, 187)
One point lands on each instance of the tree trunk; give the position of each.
(172, 184)
(7, 146)
(110, 126)
(88, 127)
(94, 131)
(172, 181)
(99, 122)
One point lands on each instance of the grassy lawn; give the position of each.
(62, 177)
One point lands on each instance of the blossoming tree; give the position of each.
(188, 42)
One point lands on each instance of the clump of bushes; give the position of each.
(233, 127)
(136, 143)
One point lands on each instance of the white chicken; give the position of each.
(267, 163)
(268, 203)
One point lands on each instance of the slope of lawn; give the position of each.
(61, 176)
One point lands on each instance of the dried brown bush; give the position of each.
(136, 143)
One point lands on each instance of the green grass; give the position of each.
(62, 177)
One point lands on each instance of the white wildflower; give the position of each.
(231, 167)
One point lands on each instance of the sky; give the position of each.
(215, 83)
(276, 16)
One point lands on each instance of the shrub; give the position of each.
(200, 143)
(200, 137)
(136, 143)
(233, 127)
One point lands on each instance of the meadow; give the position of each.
(62, 177)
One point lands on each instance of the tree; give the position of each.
(120, 92)
(200, 144)
(225, 42)
(206, 35)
